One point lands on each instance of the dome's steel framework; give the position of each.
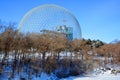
(50, 17)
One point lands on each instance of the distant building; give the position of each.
(51, 19)
(66, 31)
(61, 30)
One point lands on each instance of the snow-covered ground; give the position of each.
(96, 75)
(102, 76)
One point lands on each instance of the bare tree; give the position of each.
(7, 38)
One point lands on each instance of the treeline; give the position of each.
(34, 53)
(111, 53)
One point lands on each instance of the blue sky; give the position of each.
(99, 19)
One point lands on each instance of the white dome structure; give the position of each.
(50, 17)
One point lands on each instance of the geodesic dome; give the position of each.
(50, 17)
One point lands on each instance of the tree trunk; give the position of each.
(43, 57)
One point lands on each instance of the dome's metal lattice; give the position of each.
(50, 17)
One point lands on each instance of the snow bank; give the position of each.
(102, 76)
